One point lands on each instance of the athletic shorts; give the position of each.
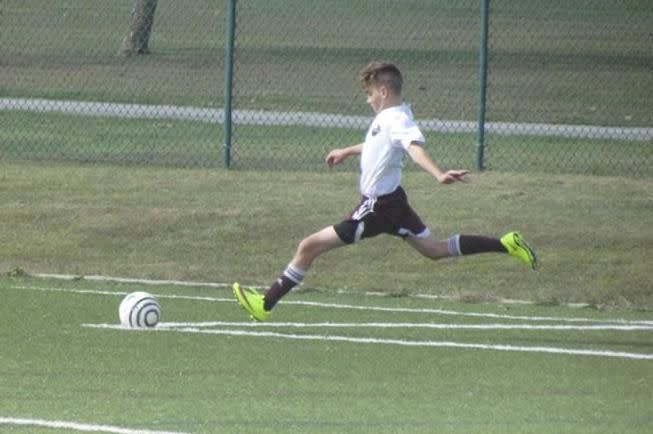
(389, 214)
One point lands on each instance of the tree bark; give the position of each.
(142, 18)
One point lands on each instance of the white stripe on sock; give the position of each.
(294, 273)
(454, 245)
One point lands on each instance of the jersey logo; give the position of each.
(375, 130)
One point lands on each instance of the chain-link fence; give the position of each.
(70, 93)
(569, 83)
(570, 86)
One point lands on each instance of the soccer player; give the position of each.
(384, 206)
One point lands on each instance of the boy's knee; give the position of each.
(305, 244)
(309, 245)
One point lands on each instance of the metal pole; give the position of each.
(228, 79)
(480, 143)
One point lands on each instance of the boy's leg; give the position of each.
(429, 246)
(459, 245)
(259, 306)
(420, 238)
(308, 250)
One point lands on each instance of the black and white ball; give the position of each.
(139, 310)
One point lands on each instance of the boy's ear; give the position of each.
(383, 90)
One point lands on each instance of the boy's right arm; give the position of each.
(419, 156)
(337, 156)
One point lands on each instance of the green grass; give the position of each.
(52, 137)
(592, 233)
(54, 369)
(61, 137)
(148, 217)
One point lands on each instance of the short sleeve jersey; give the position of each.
(387, 139)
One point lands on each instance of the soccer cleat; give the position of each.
(252, 302)
(519, 248)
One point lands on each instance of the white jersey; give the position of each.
(387, 139)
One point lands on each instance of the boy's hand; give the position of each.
(335, 157)
(419, 156)
(451, 176)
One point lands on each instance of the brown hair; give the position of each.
(382, 73)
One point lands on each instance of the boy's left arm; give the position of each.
(337, 156)
(419, 156)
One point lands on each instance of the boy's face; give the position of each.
(376, 96)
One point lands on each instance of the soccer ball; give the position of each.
(139, 310)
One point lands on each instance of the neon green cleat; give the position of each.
(252, 302)
(519, 248)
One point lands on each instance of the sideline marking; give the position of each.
(359, 307)
(401, 342)
(406, 325)
(101, 278)
(79, 426)
(469, 314)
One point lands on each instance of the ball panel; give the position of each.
(139, 310)
(145, 309)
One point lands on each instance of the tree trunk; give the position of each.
(142, 18)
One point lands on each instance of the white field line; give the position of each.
(399, 342)
(408, 325)
(98, 278)
(75, 426)
(362, 307)
(312, 119)
(466, 314)
(101, 278)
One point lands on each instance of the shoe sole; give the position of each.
(243, 303)
(531, 252)
(240, 297)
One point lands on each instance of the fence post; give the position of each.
(228, 79)
(480, 143)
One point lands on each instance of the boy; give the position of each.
(384, 207)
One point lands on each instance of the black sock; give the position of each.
(279, 288)
(472, 244)
(290, 278)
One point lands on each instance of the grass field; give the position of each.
(377, 339)
(327, 363)
(593, 234)
(62, 137)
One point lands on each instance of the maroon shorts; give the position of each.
(389, 214)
